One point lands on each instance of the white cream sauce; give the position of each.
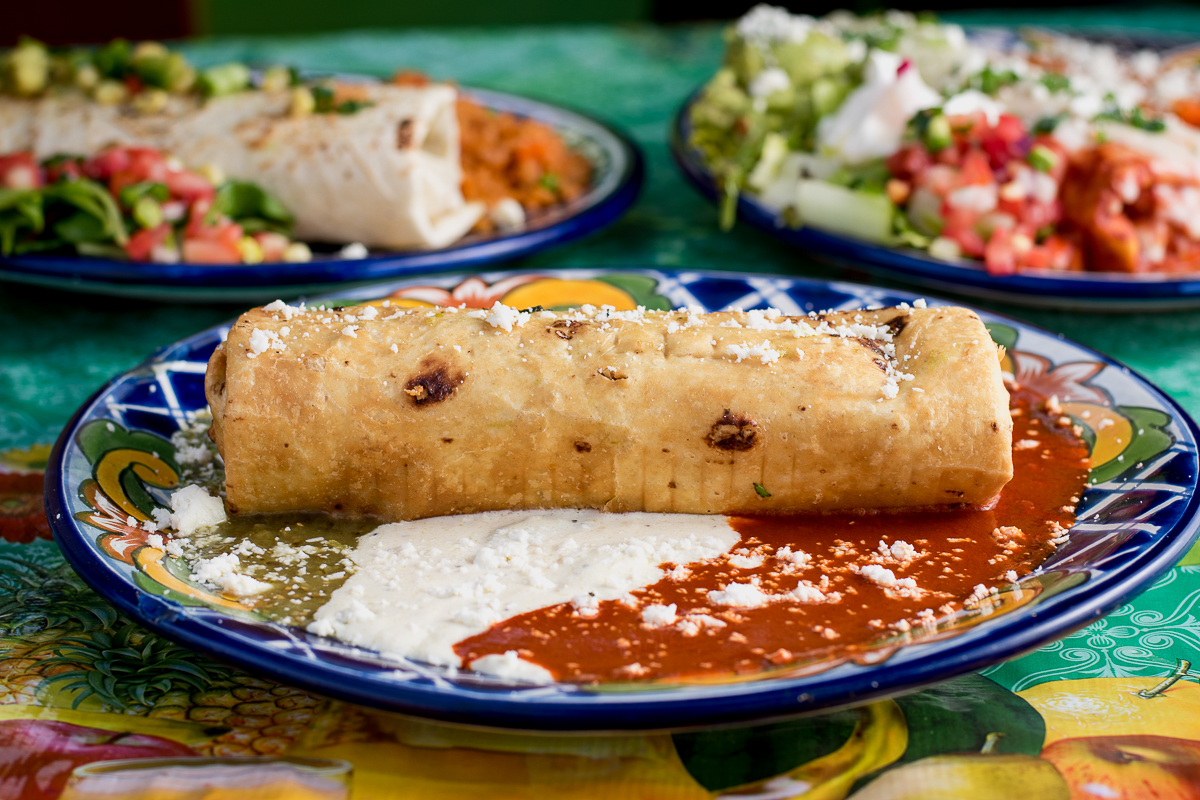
(422, 586)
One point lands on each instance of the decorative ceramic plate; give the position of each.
(1041, 288)
(617, 179)
(113, 464)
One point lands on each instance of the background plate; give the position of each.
(1135, 521)
(1039, 288)
(619, 172)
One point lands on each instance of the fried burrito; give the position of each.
(387, 175)
(402, 413)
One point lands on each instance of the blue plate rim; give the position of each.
(915, 265)
(329, 273)
(1011, 635)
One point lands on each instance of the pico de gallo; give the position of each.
(137, 203)
(1050, 153)
(987, 191)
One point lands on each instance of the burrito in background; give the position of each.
(387, 175)
(410, 413)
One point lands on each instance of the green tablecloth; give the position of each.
(56, 349)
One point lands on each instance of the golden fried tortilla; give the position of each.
(422, 412)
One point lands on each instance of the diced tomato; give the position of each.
(951, 156)
(940, 179)
(121, 179)
(960, 226)
(909, 162)
(148, 164)
(1188, 110)
(1063, 253)
(210, 251)
(20, 171)
(272, 244)
(998, 255)
(1014, 208)
(64, 168)
(142, 244)
(199, 211)
(975, 170)
(107, 163)
(222, 231)
(1009, 129)
(1039, 215)
(189, 186)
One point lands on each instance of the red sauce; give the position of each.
(956, 551)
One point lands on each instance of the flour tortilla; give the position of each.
(387, 176)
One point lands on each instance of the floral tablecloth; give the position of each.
(1112, 711)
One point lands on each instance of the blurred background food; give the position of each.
(81, 21)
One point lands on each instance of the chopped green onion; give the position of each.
(113, 59)
(1043, 159)
(322, 99)
(352, 106)
(761, 491)
(549, 181)
(130, 195)
(990, 82)
(1135, 118)
(938, 135)
(1056, 82)
(224, 79)
(147, 212)
(1048, 124)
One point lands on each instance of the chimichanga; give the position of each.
(409, 413)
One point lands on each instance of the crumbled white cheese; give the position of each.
(692, 624)
(193, 509)
(222, 570)
(881, 576)
(765, 24)
(768, 82)
(807, 593)
(512, 667)
(764, 352)
(502, 316)
(261, 341)
(679, 573)
(507, 215)
(658, 616)
(746, 562)
(283, 308)
(739, 595)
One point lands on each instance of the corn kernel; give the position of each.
(276, 79)
(302, 102)
(251, 250)
(297, 252)
(110, 93)
(150, 101)
(212, 173)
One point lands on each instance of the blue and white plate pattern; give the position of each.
(1137, 518)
